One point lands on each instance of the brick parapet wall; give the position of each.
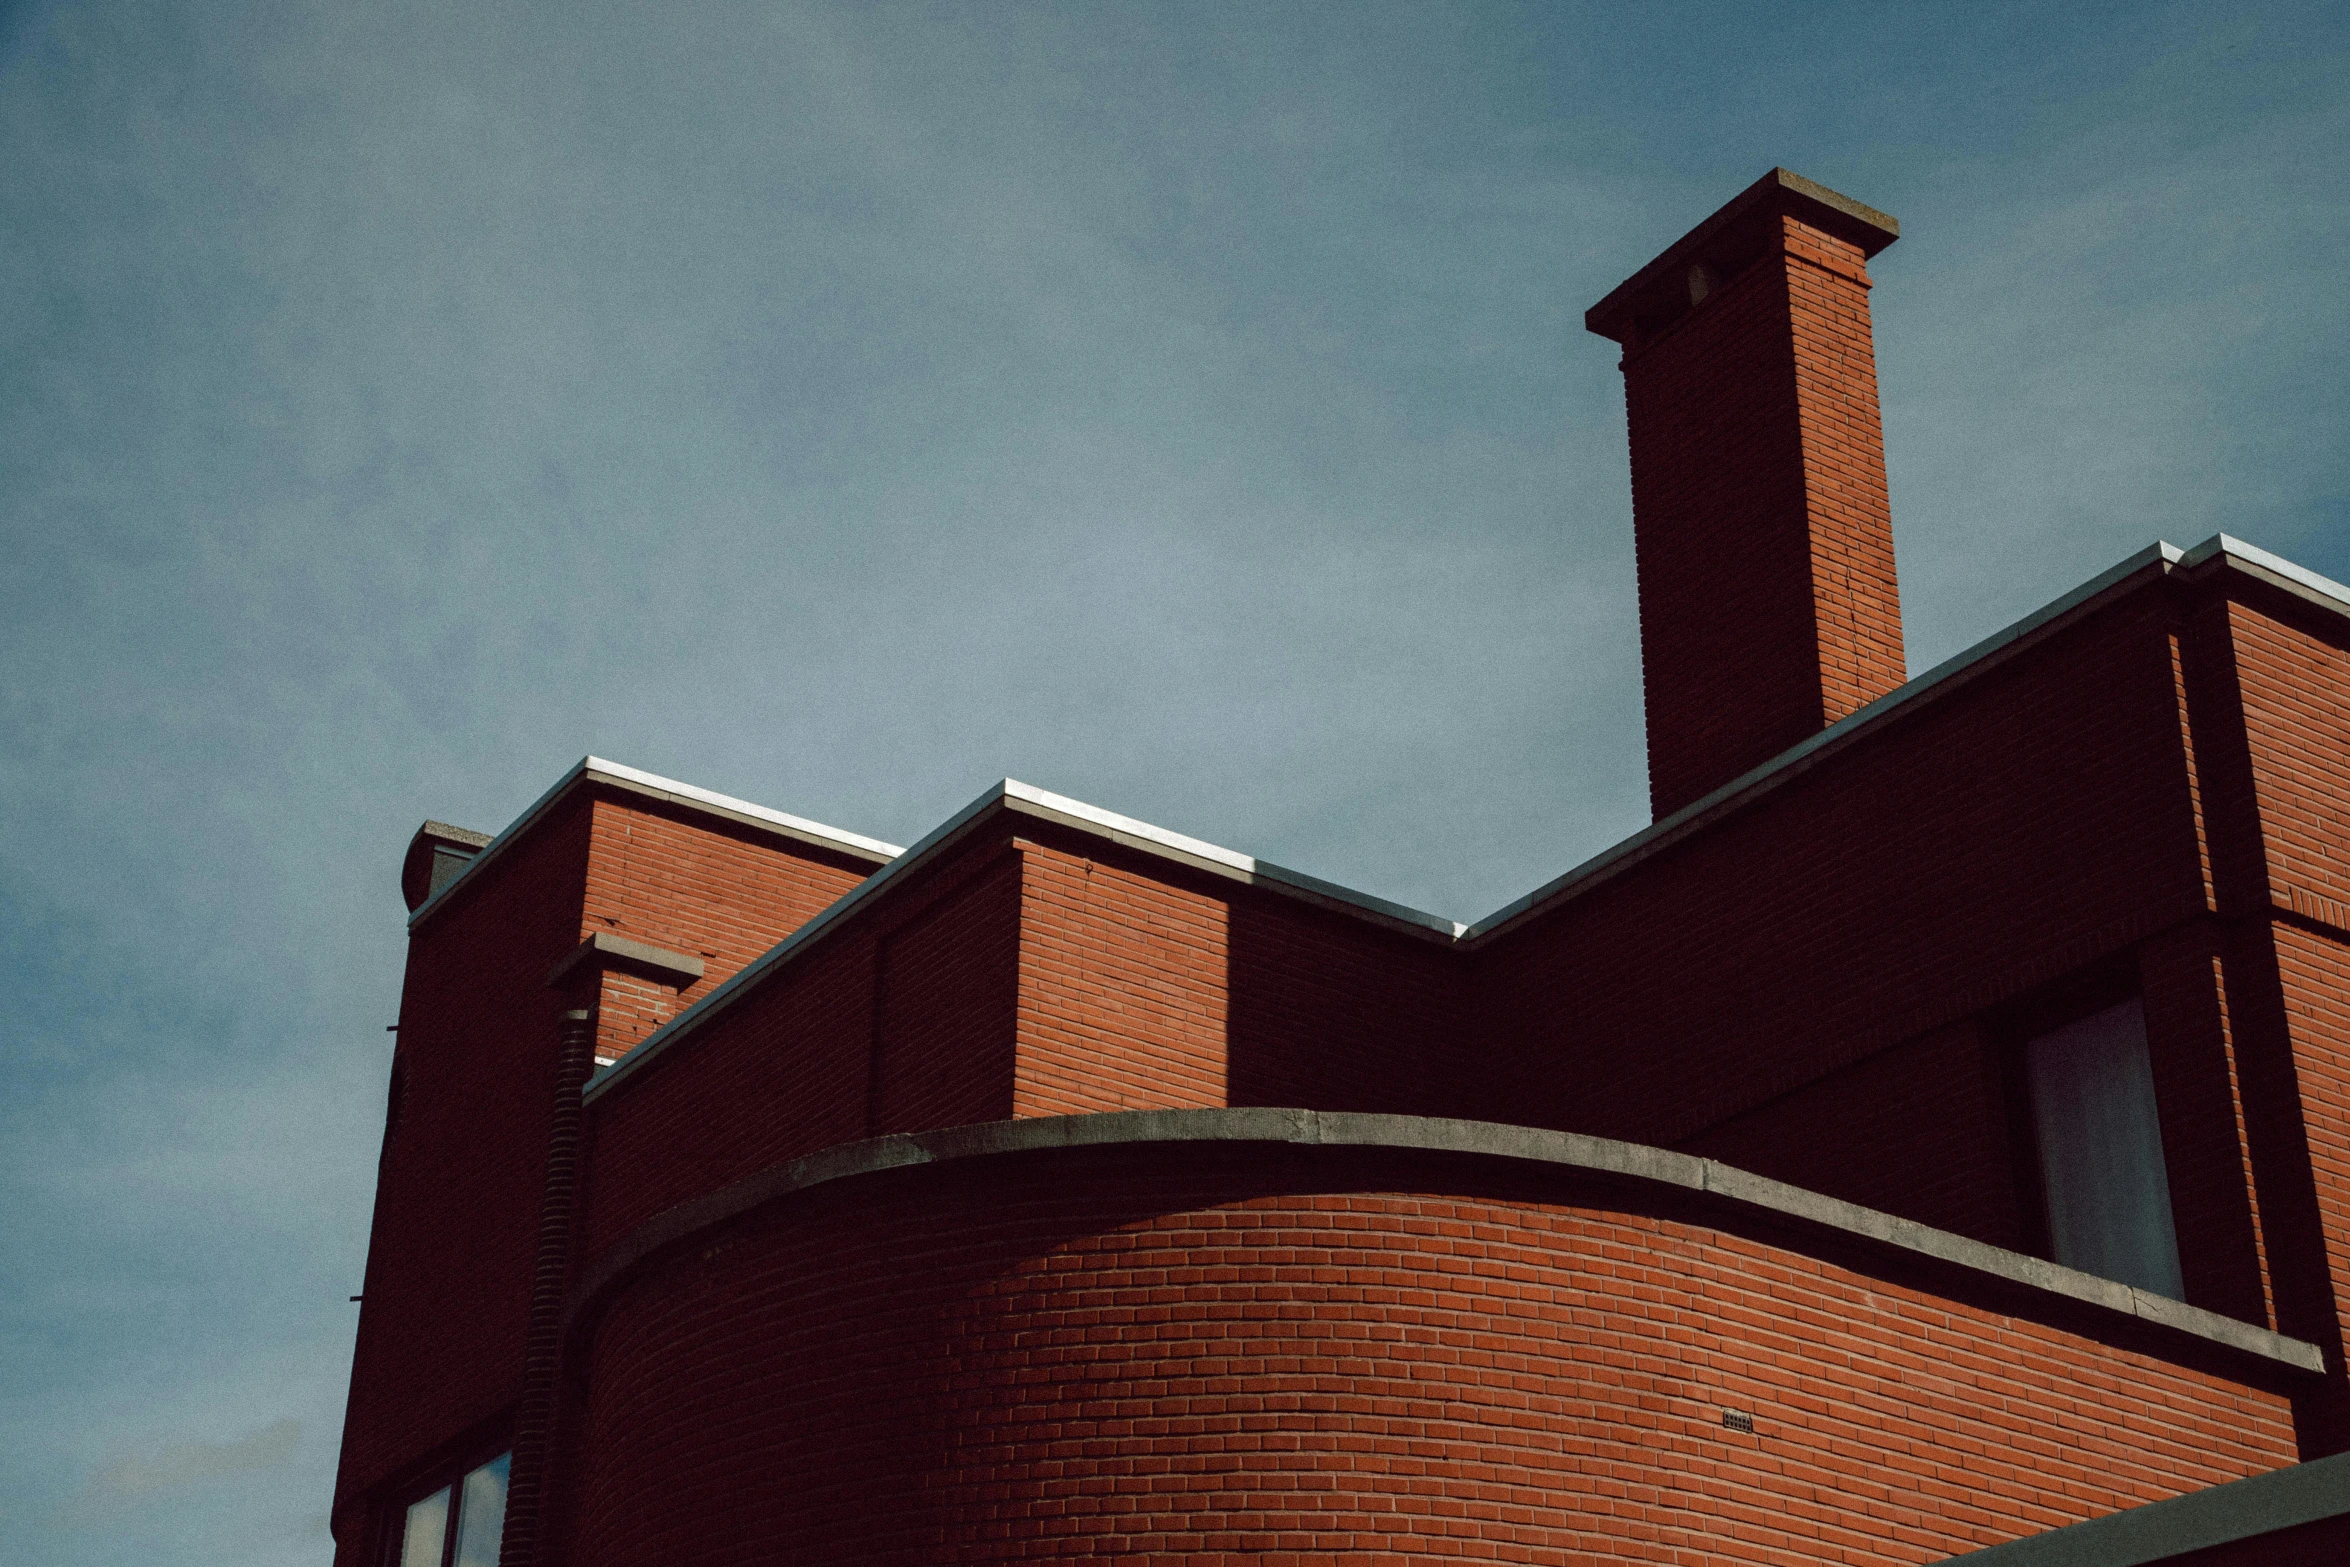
(1922, 1130)
(2045, 819)
(828, 1047)
(2293, 681)
(1029, 970)
(1124, 985)
(1147, 986)
(944, 1043)
(700, 885)
(2268, 679)
(1992, 840)
(1284, 1354)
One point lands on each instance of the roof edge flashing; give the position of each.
(2299, 580)
(595, 769)
(2154, 560)
(724, 995)
(1013, 796)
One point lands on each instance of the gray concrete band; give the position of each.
(605, 950)
(2223, 1515)
(2183, 1331)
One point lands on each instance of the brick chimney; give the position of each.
(1768, 608)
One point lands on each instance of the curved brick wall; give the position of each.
(1205, 1351)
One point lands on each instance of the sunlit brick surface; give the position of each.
(1177, 1354)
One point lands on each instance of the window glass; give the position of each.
(427, 1530)
(2101, 1159)
(481, 1514)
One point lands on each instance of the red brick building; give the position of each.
(1932, 1133)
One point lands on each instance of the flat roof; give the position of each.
(2141, 569)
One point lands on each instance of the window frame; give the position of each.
(2011, 1029)
(451, 1477)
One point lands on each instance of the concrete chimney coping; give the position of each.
(1726, 241)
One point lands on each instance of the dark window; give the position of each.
(433, 1533)
(2101, 1167)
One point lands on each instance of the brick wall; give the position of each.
(460, 1183)
(2061, 811)
(1122, 984)
(1031, 971)
(2184, 977)
(2022, 827)
(947, 987)
(785, 1071)
(458, 1188)
(1856, 602)
(2272, 682)
(1812, 985)
(629, 1007)
(900, 1016)
(1333, 1012)
(697, 884)
(2294, 680)
(1768, 605)
(1921, 1130)
(1259, 1354)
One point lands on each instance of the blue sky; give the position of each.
(1182, 407)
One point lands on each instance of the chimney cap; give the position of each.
(1725, 241)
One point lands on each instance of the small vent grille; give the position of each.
(1738, 1421)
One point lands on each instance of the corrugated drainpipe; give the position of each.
(534, 1421)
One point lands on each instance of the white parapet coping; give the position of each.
(594, 770)
(2142, 569)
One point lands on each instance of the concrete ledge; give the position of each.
(2158, 1531)
(604, 950)
(2183, 1328)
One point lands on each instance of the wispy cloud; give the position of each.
(844, 405)
(178, 1466)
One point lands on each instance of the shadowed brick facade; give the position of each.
(1064, 1187)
